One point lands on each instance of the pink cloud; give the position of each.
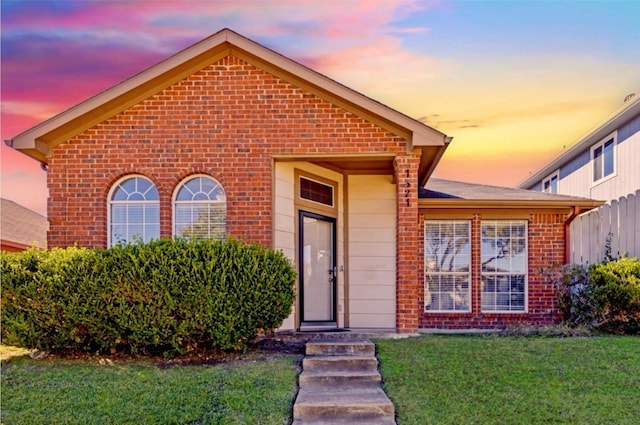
(56, 54)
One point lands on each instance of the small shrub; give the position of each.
(165, 295)
(574, 296)
(615, 290)
(604, 296)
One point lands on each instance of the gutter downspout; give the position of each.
(567, 235)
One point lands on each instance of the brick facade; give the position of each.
(225, 121)
(232, 120)
(407, 237)
(545, 250)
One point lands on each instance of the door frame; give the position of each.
(334, 256)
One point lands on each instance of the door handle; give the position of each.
(332, 274)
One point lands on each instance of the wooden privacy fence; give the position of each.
(616, 224)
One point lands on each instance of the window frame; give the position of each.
(549, 179)
(175, 202)
(525, 308)
(309, 205)
(316, 181)
(454, 274)
(111, 202)
(613, 138)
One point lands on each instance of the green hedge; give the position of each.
(605, 296)
(163, 296)
(615, 290)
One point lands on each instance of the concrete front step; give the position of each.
(340, 385)
(340, 363)
(340, 348)
(368, 405)
(339, 379)
(380, 421)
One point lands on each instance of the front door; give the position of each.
(317, 268)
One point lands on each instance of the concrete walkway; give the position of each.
(340, 384)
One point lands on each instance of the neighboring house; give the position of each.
(604, 164)
(228, 137)
(21, 228)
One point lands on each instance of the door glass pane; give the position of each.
(317, 269)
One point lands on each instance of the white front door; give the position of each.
(317, 267)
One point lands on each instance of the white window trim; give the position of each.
(613, 136)
(555, 174)
(174, 200)
(110, 202)
(526, 273)
(468, 274)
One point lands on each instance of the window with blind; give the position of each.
(503, 254)
(447, 252)
(134, 211)
(200, 209)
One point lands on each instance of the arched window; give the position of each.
(134, 211)
(200, 209)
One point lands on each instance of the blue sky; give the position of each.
(512, 81)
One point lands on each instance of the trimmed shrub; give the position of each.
(615, 290)
(166, 295)
(604, 296)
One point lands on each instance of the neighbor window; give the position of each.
(603, 157)
(134, 211)
(503, 256)
(447, 260)
(550, 184)
(200, 209)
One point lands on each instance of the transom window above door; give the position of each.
(315, 191)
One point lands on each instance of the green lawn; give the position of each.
(137, 392)
(490, 380)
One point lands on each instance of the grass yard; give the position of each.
(89, 392)
(491, 380)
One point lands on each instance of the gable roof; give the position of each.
(440, 193)
(20, 227)
(617, 119)
(39, 140)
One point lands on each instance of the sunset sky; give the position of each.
(512, 81)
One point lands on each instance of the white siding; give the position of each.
(372, 252)
(284, 221)
(284, 237)
(625, 181)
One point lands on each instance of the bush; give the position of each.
(615, 290)
(166, 295)
(604, 296)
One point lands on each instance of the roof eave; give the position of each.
(428, 165)
(39, 140)
(458, 203)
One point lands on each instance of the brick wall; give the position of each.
(407, 237)
(224, 121)
(545, 250)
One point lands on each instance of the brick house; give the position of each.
(228, 137)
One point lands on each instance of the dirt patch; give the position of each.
(265, 348)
